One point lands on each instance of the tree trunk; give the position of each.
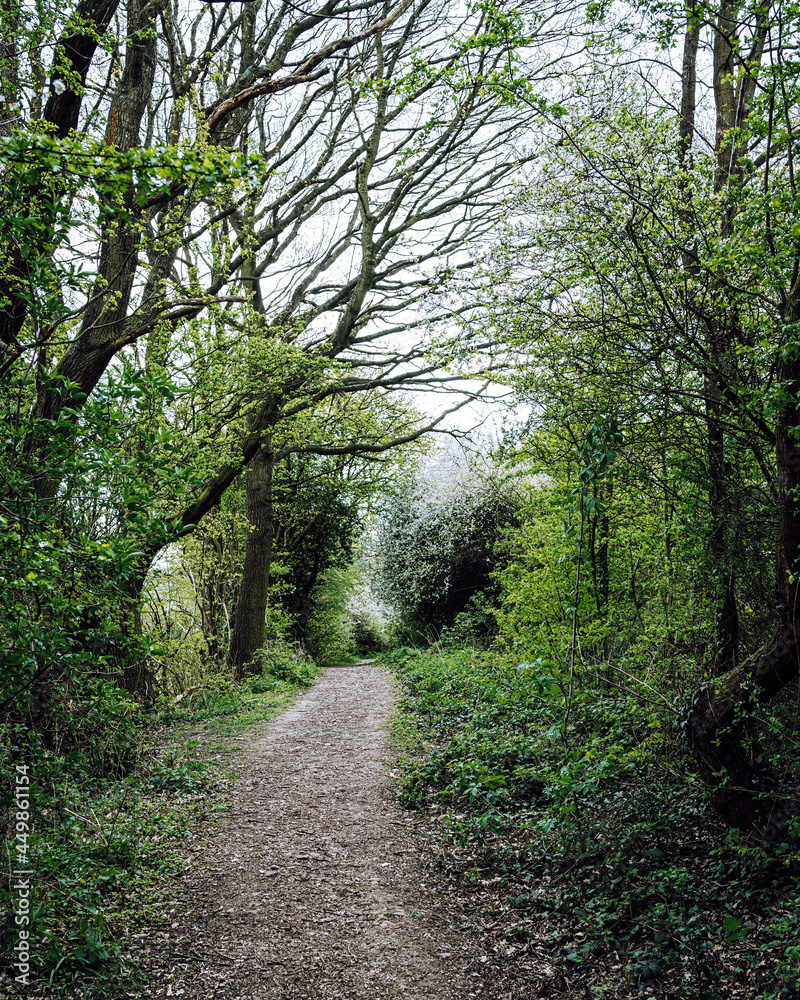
(727, 624)
(745, 794)
(247, 631)
(720, 341)
(689, 85)
(732, 102)
(88, 356)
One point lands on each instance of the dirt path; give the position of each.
(314, 887)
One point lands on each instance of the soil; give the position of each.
(316, 887)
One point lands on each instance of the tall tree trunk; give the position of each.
(688, 85)
(718, 346)
(722, 557)
(88, 356)
(734, 78)
(249, 619)
(745, 793)
(719, 349)
(732, 103)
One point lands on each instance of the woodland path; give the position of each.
(314, 887)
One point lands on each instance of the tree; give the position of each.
(261, 242)
(305, 498)
(437, 539)
(665, 271)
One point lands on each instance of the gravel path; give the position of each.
(314, 887)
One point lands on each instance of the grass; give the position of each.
(229, 710)
(592, 841)
(111, 814)
(350, 660)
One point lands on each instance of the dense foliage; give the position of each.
(435, 543)
(587, 833)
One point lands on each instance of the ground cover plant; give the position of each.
(113, 806)
(591, 838)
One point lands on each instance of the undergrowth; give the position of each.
(115, 794)
(593, 835)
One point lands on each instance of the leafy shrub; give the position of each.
(399, 654)
(172, 775)
(329, 635)
(346, 621)
(436, 544)
(367, 634)
(286, 662)
(594, 831)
